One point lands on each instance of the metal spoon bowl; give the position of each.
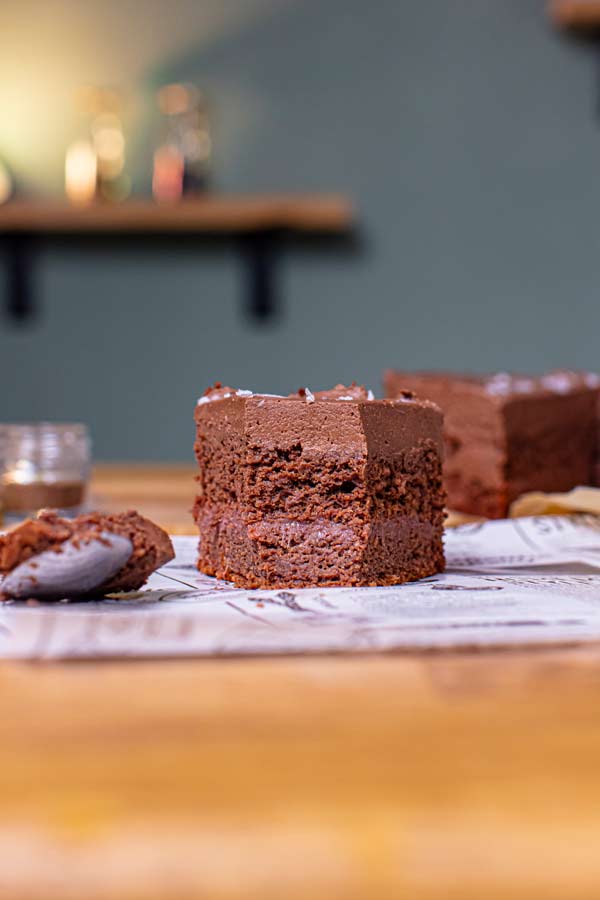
(76, 570)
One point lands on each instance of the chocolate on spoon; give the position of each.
(50, 558)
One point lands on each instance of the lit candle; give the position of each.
(5, 183)
(167, 177)
(81, 172)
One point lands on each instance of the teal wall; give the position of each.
(468, 134)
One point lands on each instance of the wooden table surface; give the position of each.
(442, 776)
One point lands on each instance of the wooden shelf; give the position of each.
(226, 213)
(576, 15)
(255, 224)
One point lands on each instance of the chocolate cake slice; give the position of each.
(508, 434)
(94, 554)
(330, 488)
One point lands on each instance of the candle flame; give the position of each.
(81, 172)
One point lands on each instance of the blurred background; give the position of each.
(466, 136)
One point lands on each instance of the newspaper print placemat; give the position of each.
(508, 583)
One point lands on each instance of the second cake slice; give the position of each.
(509, 434)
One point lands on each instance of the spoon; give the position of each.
(78, 569)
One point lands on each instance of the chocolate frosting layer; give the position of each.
(344, 416)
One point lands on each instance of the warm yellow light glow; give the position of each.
(49, 49)
(81, 172)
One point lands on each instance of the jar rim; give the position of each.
(42, 426)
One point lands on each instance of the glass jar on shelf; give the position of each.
(183, 158)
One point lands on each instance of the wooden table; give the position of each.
(442, 777)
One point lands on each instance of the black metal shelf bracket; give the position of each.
(260, 251)
(20, 305)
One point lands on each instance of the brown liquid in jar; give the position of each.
(40, 495)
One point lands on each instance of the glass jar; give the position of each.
(43, 466)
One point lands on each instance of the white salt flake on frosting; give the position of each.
(242, 393)
(503, 383)
(309, 396)
(370, 395)
(499, 384)
(559, 382)
(345, 398)
(208, 399)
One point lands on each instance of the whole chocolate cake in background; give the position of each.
(331, 488)
(509, 434)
